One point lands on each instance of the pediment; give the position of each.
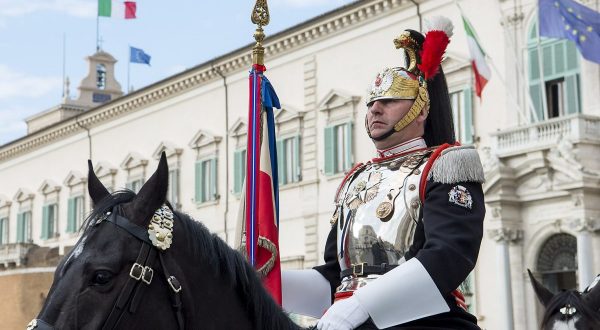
(48, 187)
(455, 62)
(133, 160)
(287, 113)
(204, 138)
(74, 178)
(239, 128)
(4, 201)
(23, 194)
(169, 148)
(105, 168)
(336, 99)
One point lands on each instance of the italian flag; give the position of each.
(119, 9)
(480, 67)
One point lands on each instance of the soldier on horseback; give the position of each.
(407, 225)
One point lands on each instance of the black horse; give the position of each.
(115, 277)
(569, 309)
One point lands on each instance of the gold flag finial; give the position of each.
(260, 17)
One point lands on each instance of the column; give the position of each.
(584, 228)
(503, 237)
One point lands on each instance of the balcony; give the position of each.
(14, 255)
(543, 135)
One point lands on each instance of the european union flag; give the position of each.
(567, 19)
(137, 55)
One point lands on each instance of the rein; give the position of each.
(155, 239)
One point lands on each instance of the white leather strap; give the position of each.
(305, 292)
(403, 294)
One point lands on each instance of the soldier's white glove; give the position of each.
(345, 314)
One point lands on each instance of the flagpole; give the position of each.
(98, 27)
(541, 69)
(128, 68)
(502, 81)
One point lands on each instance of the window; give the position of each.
(557, 262)
(24, 227)
(49, 221)
(135, 185)
(100, 76)
(3, 231)
(463, 115)
(206, 180)
(288, 159)
(239, 170)
(74, 213)
(553, 75)
(173, 190)
(338, 148)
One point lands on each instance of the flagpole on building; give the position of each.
(541, 69)
(128, 68)
(98, 28)
(502, 81)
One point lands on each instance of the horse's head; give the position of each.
(104, 279)
(569, 309)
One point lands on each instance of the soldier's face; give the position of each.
(382, 115)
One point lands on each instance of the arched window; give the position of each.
(100, 76)
(553, 75)
(557, 262)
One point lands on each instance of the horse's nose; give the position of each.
(38, 324)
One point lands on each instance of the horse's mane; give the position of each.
(222, 260)
(574, 299)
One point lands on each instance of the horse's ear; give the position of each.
(592, 294)
(544, 295)
(96, 189)
(152, 195)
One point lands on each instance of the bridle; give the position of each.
(156, 239)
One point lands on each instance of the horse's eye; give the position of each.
(102, 277)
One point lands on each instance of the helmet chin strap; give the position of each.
(420, 103)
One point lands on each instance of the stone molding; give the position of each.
(49, 186)
(588, 224)
(296, 37)
(169, 148)
(506, 235)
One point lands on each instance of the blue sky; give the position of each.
(178, 34)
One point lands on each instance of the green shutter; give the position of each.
(330, 154)
(213, 179)
(45, 222)
(281, 159)
(176, 187)
(547, 61)
(20, 228)
(536, 97)
(559, 57)
(534, 64)
(467, 116)
(571, 93)
(198, 181)
(348, 162)
(237, 171)
(71, 213)
(572, 56)
(297, 167)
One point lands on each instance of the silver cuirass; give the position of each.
(377, 211)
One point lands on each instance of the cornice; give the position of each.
(294, 38)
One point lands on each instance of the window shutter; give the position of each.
(281, 165)
(348, 162)
(534, 64)
(20, 228)
(297, 163)
(213, 179)
(547, 61)
(571, 93)
(237, 171)
(329, 150)
(468, 116)
(71, 214)
(572, 56)
(199, 193)
(45, 221)
(559, 57)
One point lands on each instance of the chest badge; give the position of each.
(364, 191)
(460, 196)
